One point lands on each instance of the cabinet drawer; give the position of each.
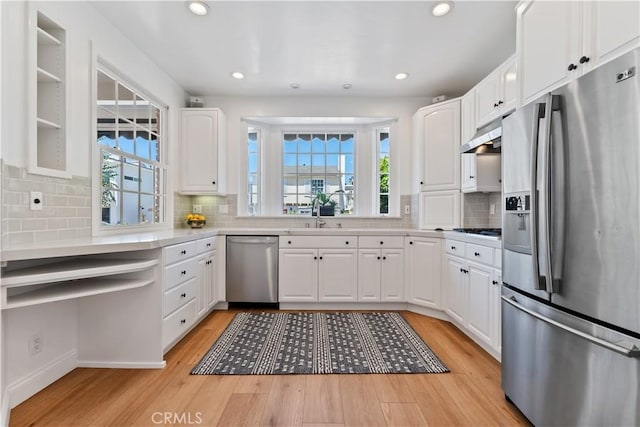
(179, 273)
(179, 252)
(178, 296)
(454, 247)
(376, 242)
(497, 258)
(478, 253)
(178, 322)
(319, 242)
(205, 245)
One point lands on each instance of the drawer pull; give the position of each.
(183, 321)
(378, 257)
(289, 242)
(384, 257)
(381, 242)
(208, 245)
(453, 248)
(494, 282)
(183, 295)
(315, 257)
(411, 243)
(183, 252)
(346, 243)
(476, 253)
(320, 257)
(183, 272)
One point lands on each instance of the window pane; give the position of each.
(125, 141)
(290, 160)
(147, 208)
(304, 163)
(318, 145)
(333, 161)
(384, 204)
(131, 175)
(304, 143)
(130, 208)
(333, 143)
(252, 162)
(155, 148)
(346, 145)
(290, 146)
(110, 212)
(147, 178)
(143, 144)
(347, 164)
(317, 161)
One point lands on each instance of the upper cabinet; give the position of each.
(203, 139)
(437, 146)
(496, 94)
(48, 153)
(559, 41)
(468, 112)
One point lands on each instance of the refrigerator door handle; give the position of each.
(545, 194)
(539, 113)
(626, 349)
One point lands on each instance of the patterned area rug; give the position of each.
(318, 343)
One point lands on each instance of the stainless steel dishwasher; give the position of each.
(252, 269)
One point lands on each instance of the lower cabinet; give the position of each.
(423, 271)
(380, 275)
(472, 292)
(298, 275)
(337, 275)
(207, 285)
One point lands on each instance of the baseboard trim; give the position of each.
(431, 312)
(356, 306)
(121, 365)
(24, 388)
(5, 410)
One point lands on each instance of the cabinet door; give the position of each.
(441, 159)
(469, 172)
(613, 28)
(468, 116)
(481, 292)
(392, 275)
(487, 99)
(439, 209)
(201, 286)
(496, 311)
(210, 279)
(508, 86)
(338, 275)
(369, 262)
(455, 286)
(298, 275)
(423, 271)
(199, 141)
(549, 37)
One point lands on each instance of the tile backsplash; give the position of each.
(66, 212)
(477, 210)
(212, 207)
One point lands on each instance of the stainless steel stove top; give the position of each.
(480, 231)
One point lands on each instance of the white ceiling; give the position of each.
(320, 45)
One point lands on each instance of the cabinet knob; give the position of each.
(183, 321)
(346, 243)
(500, 102)
(494, 282)
(381, 242)
(411, 243)
(378, 257)
(471, 176)
(320, 257)
(453, 248)
(421, 182)
(289, 242)
(315, 257)
(462, 270)
(213, 182)
(183, 272)
(584, 59)
(495, 104)
(183, 252)
(572, 67)
(183, 295)
(384, 257)
(476, 253)
(208, 245)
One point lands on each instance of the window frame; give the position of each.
(97, 150)
(377, 132)
(259, 131)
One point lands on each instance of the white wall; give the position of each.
(84, 25)
(235, 108)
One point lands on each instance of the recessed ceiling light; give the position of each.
(401, 76)
(295, 86)
(442, 8)
(199, 8)
(346, 86)
(237, 75)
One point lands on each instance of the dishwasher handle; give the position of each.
(253, 240)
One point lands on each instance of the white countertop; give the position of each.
(158, 239)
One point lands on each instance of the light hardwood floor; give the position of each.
(469, 395)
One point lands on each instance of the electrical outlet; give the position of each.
(197, 209)
(407, 209)
(223, 209)
(492, 209)
(36, 200)
(35, 344)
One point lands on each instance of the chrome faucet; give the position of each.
(316, 206)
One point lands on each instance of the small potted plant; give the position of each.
(327, 206)
(196, 220)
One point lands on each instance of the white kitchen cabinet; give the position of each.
(48, 94)
(496, 311)
(439, 209)
(423, 271)
(456, 288)
(338, 275)
(380, 275)
(203, 141)
(559, 41)
(468, 116)
(207, 292)
(298, 275)
(480, 302)
(481, 173)
(495, 95)
(436, 142)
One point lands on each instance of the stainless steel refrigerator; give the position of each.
(571, 251)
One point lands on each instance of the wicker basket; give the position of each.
(196, 224)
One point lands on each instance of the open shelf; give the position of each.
(59, 291)
(45, 38)
(43, 123)
(73, 269)
(46, 77)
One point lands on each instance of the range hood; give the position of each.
(487, 139)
